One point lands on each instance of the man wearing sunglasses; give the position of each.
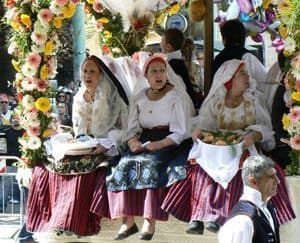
(5, 112)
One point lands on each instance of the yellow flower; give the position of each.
(285, 121)
(174, 9)
(57, 22)
(16, 65)
(48, 132)
(295, 95)
(90, 1)
(160, 18)
(103, 20)
(44, 72)
(107, 34)
(42, 104)
(15, 25)
(69, 11)
(287, 53)
(266, 3)
(283, 31)
(48, 48)
(25, 19)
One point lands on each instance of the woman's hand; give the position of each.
(251, 138)
(99, 150)
(135, 145)
(196, 134)
(154, 146)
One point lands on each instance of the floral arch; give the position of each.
(34, 44)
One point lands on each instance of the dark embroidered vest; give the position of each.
(263, 232)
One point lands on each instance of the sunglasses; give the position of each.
(4, 102)
(62, 96)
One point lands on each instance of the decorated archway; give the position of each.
(34, 44)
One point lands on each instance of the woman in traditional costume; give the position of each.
(68, 195)
(214, 184)
(158, 145)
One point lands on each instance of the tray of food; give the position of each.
(221, 138)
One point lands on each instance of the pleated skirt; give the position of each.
(199, 197)
(145, 203)
(66, 202)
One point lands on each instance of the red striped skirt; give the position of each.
(145, 203)
(199, 197)
(66, 202)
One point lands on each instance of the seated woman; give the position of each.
(158, 145)
(69, 194)
(232, 104)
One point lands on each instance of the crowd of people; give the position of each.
(157, 162)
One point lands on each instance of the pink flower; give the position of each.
(295, 142)
(97, 6)
(38, 38)
(33, 60)
(45, 15)
(297, 85)
(294, 114)
(75, 1)
(62, 3)
(99, 26)
(296, 62)
(33, 131)
(29, 84)
(42, 85)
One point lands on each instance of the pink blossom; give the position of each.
(97, 6)
(42, 85)
(62, 3)
(99, 26)
(33, 131)
(294, 114)
(296, 62)
(75, 1)
(33, 60)
(38, 38)
(29, 84)
(295, 142)
(45, 15)
(297, 85)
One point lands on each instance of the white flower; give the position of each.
(28, 84)
(296, 74)
(12, 48)
(28, 71)
(55, 8)
(23, 143)
(28, 102)
(116, 50)
(289, 44)
(39, 27)
(34, 143)
(38, 48)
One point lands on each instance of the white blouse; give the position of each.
(252, 114)
(167, 111)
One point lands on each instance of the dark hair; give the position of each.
(174, 37)
(233, 32)
(282, 61)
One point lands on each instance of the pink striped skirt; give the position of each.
(66, 202)
(199, 197)
(145, 203)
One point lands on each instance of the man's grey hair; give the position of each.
(256, 166)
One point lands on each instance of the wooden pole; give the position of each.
(208, 45)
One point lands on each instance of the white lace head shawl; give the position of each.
(109, 109)
(224, 74)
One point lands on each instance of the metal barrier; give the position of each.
(9, 179)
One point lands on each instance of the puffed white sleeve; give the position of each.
(207, 118)
(263, 123)
(134, 128)
(238, 229)
(180, 120)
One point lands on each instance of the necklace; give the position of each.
(157, 91)
(90, 95)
